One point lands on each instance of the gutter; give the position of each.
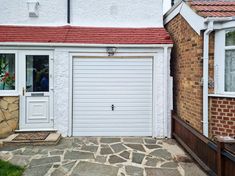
(210, 21)
(33, 44)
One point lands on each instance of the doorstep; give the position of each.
(31, 138)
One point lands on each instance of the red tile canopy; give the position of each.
(217, 8)
(84, 35)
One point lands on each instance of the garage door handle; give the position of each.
(112, 107)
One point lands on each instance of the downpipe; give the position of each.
(210, 28)
(68, 11)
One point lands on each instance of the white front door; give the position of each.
(37, 91)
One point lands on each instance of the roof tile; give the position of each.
(84, 35)
(216, 8)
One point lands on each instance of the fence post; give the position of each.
(220, 163)
(221, 141)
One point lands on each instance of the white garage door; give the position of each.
(112, 97)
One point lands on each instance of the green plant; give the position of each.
(7, 169)
(5, 77)
(3, 65)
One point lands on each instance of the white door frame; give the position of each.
(22, 68)
(94, 55)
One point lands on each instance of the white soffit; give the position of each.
(194, 20)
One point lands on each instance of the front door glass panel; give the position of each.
(37, 73)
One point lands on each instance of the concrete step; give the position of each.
(52, 139)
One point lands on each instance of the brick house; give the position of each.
(203, 64)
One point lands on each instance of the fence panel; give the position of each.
(215, 159)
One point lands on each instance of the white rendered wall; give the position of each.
(117, 13)
(51, 12)
(61, 91)
(166, 5)
(107, 13)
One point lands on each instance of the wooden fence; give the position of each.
(216, 158)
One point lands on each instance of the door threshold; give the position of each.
(35, 130)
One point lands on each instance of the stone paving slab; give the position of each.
(93, 169)
(137, 157)
(76, 155)
(116, 159)
(20, 160)
(118, 147)
(104, 156)
(37, 171)
(138, 147)
(136, 171)
(45, 160)
(162, 172)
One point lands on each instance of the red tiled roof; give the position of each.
(84, 35)
(217, 8)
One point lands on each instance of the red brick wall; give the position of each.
(222, 116)
(186, 69)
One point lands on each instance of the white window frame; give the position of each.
(219, 62)
(12, 92)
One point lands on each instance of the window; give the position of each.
(229, 76)
(7, 71)
(230, 38)
(37, 73)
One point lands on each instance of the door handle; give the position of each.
(112, 107)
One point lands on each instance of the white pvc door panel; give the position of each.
(36, 100)
(37, 110)
(99, 83)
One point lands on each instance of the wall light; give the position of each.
(111, 51)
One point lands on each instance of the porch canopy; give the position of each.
(84, 35)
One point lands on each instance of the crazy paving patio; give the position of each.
(89, 156)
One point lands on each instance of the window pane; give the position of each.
(230, 38)
(230, 70)
(37, 73)
(7, 71)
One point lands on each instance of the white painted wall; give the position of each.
(51, 12)
(166, 5)
(117, 13)
(108, 13)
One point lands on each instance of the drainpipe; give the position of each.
(210, 28)
(68, 11)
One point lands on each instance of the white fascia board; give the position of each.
(224, 25)
(178, 3)
(195, 21)
(83, 45)
(172, 13)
